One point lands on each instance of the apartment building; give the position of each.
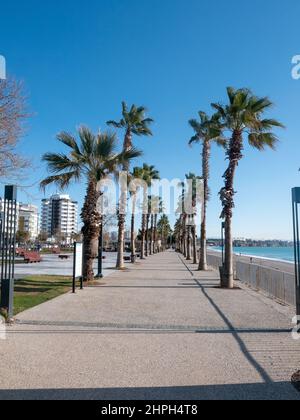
(29, 220)
(59, 217)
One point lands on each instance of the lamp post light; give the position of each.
(296, 203)
(100, 253)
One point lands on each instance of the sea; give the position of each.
(274, 253)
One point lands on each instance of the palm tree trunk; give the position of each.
(228, 279)
(91, 229)
(194, 238)
(147, 234)
(122, 215)
(132, 239)
(152, 235)
(155, 235)
(227, 193)
(184, 237)
(121, 239)
(143, 237)
(205, 173)
(188, 253)
(203, 250)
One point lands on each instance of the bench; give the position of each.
(32, 257)
(20, 252)
(64, 257)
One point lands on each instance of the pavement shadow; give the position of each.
(251, 359)
(256, 391)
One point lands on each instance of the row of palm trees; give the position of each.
(94, 157)
(231, 124)
(142, 178)
(91, 159)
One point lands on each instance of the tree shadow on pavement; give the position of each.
(255, 391)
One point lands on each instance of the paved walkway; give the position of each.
(157, 331)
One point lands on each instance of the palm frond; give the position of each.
(231, 94)
(129, 155)
(115, 124)
(257, 105)
(194, 139)
(87, 140)
(58, 162)
(62, 180)
(105, 145)
(268, 124)
(69, 141)
(220, 110)
(262, 140)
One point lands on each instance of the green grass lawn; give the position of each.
(34, 290)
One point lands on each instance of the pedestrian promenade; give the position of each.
(159, 330)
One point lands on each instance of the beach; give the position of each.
(283, 266)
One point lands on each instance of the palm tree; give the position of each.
(148, 231)
(149, 174)
(193, 196)
(154, 205)
(183, 219)
(91, 158)
(207, 130)
(164, 230)
(157, 208)
(243, 116)
(177, 234)
(133, 122)
(136, 176)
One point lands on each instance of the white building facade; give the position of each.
(29, 220)
(59, 217)
(7, 223)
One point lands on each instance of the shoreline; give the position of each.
(255, 256)
(280, 265)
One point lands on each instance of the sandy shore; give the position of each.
(286, 267)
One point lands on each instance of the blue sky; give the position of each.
(80, 59)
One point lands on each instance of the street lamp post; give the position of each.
(100, 253)
(296, 202)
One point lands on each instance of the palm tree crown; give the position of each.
(206, 129)
(244, 113)
(133, 121)
(93, 157)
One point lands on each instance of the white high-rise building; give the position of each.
(59, 216)
(5, 216)
(29, 220)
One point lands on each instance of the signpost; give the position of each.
(100, 254)
(296, 203)
(77, 265)
(8, 248)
